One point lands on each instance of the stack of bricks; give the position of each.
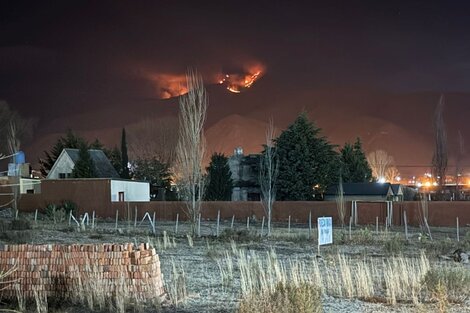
(63, 270)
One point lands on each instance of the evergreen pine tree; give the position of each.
(308, 163)
(156, 173)
(220, 183)
(70, 140)
(114, 156)
(84, 168)
(124, 158)
(354, 165)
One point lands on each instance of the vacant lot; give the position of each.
(363, 271)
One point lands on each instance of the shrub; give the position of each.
(69, 206)
(20, 224)
(55, 213)
(394, 245)
(454, 280)
(286, 298)
(18, 236)
(242, 235)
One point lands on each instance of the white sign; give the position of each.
(325, 230)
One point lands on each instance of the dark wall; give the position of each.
(94, 195)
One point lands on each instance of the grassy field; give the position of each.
(243, 271)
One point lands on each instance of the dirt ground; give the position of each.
(200, 259)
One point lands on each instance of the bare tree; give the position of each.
(439, 159)
(191, 146)
(14, 144)
(153, 138)
(340, 203)
(13, 128)
(269, 170)
(391, 174)
(380, 163)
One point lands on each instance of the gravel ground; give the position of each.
(205, 290)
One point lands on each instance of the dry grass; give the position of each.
(286, 298)
(453, 281)
(395, 279)
(176, 284)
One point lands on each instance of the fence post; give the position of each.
(248, 223)
(350, 223)
(288, 225)
(233, 220)
(199, 226)
(154, 227)
(135, 216)
(36, 217)
(376, 225)
(93, 221)
(262, 227)
(117, 215)
(310, 224)
(218, 223)
(406, 225)
(176, 224)
(458, 234)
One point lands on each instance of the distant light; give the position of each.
(427, 184)
(419, 184)
(381, 180)
(434, 184)
(398, 178)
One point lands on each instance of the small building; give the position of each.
(366, 192)
(67, 159)
(100, 191)
(398, 192)
(18, 178)
(245, 176)
(80, 190)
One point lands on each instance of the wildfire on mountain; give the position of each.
(173, 85)
(236, 82)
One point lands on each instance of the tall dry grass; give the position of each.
(391, 280)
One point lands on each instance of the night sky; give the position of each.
(60, 59)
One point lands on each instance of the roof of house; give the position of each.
(103, 167)
(397, 190)
(362, 189)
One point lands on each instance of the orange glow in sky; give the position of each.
(173, 85)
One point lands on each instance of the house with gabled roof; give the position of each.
(67, 159)
(365, 192)
(60, 184)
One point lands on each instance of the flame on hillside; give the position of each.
(169, 85)
(174, 85)
(236, 82)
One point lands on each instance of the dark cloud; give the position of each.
(72, 56)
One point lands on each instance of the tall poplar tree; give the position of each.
(124, 157)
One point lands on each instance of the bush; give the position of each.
(394, 245)
(18, 236)
(20, 224)
(454, 280)
(286, 298)
(55, 213)
(243, 235)
(69, 206)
